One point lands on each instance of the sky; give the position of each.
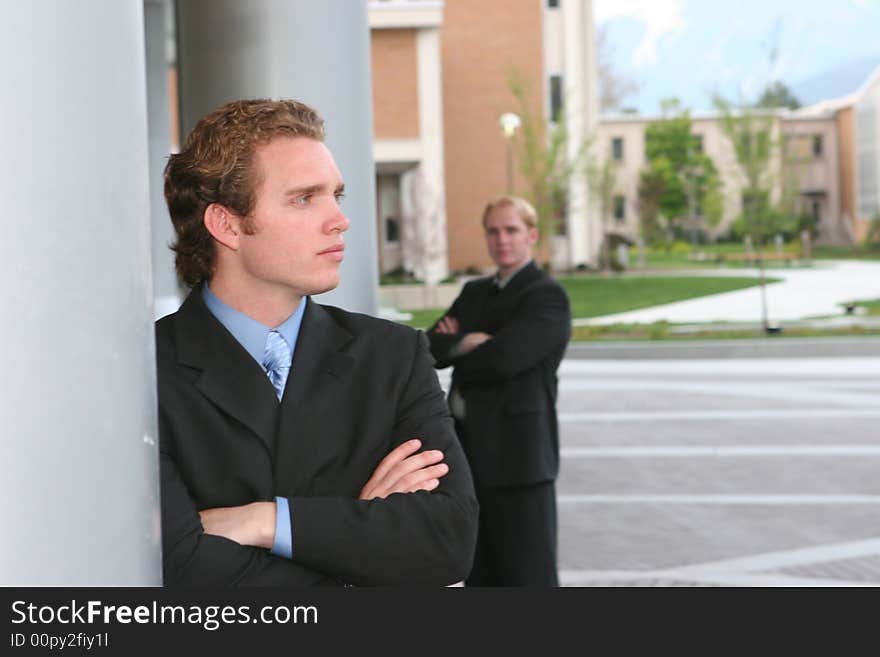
(691, 49)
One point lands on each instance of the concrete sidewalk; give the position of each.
(802, 293)
(770, 347)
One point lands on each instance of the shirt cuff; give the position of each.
(283, 545)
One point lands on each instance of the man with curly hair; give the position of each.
(300, 444)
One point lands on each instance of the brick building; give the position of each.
(440, 83)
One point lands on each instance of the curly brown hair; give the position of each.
(216, 165)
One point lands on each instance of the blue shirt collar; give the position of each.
(250, 333)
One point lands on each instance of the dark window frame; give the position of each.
(619, 203)
(617, 149)
(557, 102)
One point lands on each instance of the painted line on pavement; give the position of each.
(746, 414)
(575, 578)
(687, 450)
(805, 556)
(756, 500)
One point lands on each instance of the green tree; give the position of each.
(652, 185)
(601, 181)
(679, 186)
(750, 132)
(544, 161)
(776, 94)
(872, 235)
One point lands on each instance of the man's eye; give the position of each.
(339, 196)
(303, 200)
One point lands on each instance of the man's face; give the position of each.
(508, 238)
(297, 223)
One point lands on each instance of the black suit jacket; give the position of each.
(357, 388)
(509, 383)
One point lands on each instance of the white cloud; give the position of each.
(661, 18)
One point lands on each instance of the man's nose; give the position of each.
(338, 222)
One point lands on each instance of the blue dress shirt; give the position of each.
(252, 336)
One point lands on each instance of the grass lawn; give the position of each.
(846, 253)
(711, 259)
(662, 331)
(594, 295)
(727, 254)
(871, 306)
(424, 318)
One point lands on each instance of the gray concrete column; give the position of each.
(317, 51)
(166, 292)
(78, 456)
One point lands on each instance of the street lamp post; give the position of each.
(509, 123)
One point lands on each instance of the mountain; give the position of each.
(834, 83)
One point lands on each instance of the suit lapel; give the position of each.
(314, 385)
(229, 376)
(523, 277)
(498, 306)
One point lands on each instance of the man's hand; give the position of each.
(471, 341)
(404, 471)
(251, 524)
(447, 326)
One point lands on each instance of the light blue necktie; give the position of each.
(276, 361)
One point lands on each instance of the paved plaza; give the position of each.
(725, 463)
(719, 472)
(815, 291)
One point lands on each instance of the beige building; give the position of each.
(812, 165)
(809, 164)
(828, 155)
(440, 83)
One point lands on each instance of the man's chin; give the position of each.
(319, 287)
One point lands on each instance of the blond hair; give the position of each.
(523, 207)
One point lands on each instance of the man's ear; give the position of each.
(224, 226)
(533, 235)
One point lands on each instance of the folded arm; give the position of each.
(195, 558)
(404, 470)
(539, 325)
(444, 336)
(422, 537)
(414, 523)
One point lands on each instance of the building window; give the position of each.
(617, 149)
(619, 208)
(552, 4)
(817, 212)
(555, 97)
(698, 143)
(392, 229)
(388, 207)
(817, 145)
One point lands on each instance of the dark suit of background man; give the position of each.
(505, 336)
(288, 429)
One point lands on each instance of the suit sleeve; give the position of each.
(193, 558)
(421, 538)
(442, 343)
(539, 325)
